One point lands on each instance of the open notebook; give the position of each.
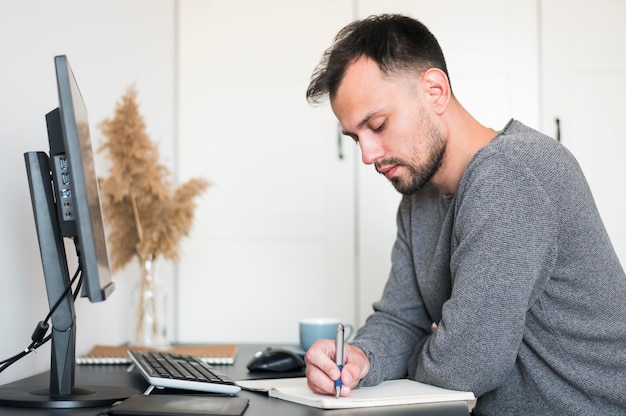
(211, 354)
(388, 393)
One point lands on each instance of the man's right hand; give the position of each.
(321, 370)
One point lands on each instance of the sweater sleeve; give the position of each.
(503, 253)
(400, 320)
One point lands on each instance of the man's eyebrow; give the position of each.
(363, 122)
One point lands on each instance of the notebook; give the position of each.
(388, 393)
(211, 354)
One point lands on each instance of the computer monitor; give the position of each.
(66, 204)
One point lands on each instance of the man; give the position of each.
(499, 243)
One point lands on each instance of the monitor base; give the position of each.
(82, 396)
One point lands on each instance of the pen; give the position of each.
(339, 358)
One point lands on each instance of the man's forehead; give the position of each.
(365, 91)
(359, 81)
(361, 69)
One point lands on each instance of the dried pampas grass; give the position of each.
(144, 215)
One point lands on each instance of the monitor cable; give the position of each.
(39, 337)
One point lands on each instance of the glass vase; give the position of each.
(150, 329)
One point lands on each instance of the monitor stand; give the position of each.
(61, 391)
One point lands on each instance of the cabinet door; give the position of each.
(491, 52)
(584, 85)
(272, 240)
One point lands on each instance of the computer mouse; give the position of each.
(276, 359)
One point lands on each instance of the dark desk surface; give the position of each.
(260, 404)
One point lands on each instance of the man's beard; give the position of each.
(419, 176)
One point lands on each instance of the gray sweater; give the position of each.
(519, 273)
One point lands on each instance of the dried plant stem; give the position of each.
(133, 202)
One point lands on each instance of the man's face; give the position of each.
(386, 116)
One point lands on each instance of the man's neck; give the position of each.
(465, 137)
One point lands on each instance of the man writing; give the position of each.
(499, 243)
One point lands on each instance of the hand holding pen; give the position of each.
(323, 363)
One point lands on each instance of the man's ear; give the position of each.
(437, 88)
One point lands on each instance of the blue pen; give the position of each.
(339, 358)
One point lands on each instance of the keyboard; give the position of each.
(178, 371)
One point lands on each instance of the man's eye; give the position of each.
(380, 128)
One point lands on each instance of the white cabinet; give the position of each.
(583, 58)
(273, 238)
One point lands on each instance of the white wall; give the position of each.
(110, 45)
(273, 239)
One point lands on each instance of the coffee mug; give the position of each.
(312, 329)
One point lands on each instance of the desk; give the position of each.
(260, 404)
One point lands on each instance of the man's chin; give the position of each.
(405, 188)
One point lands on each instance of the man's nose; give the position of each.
(371, 150)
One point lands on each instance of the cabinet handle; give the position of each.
(339, 142)
(558, 129)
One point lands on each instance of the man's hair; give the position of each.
(396, 43)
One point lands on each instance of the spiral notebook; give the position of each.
(212, 354)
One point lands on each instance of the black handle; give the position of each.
(558, 129)
(339, 142)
